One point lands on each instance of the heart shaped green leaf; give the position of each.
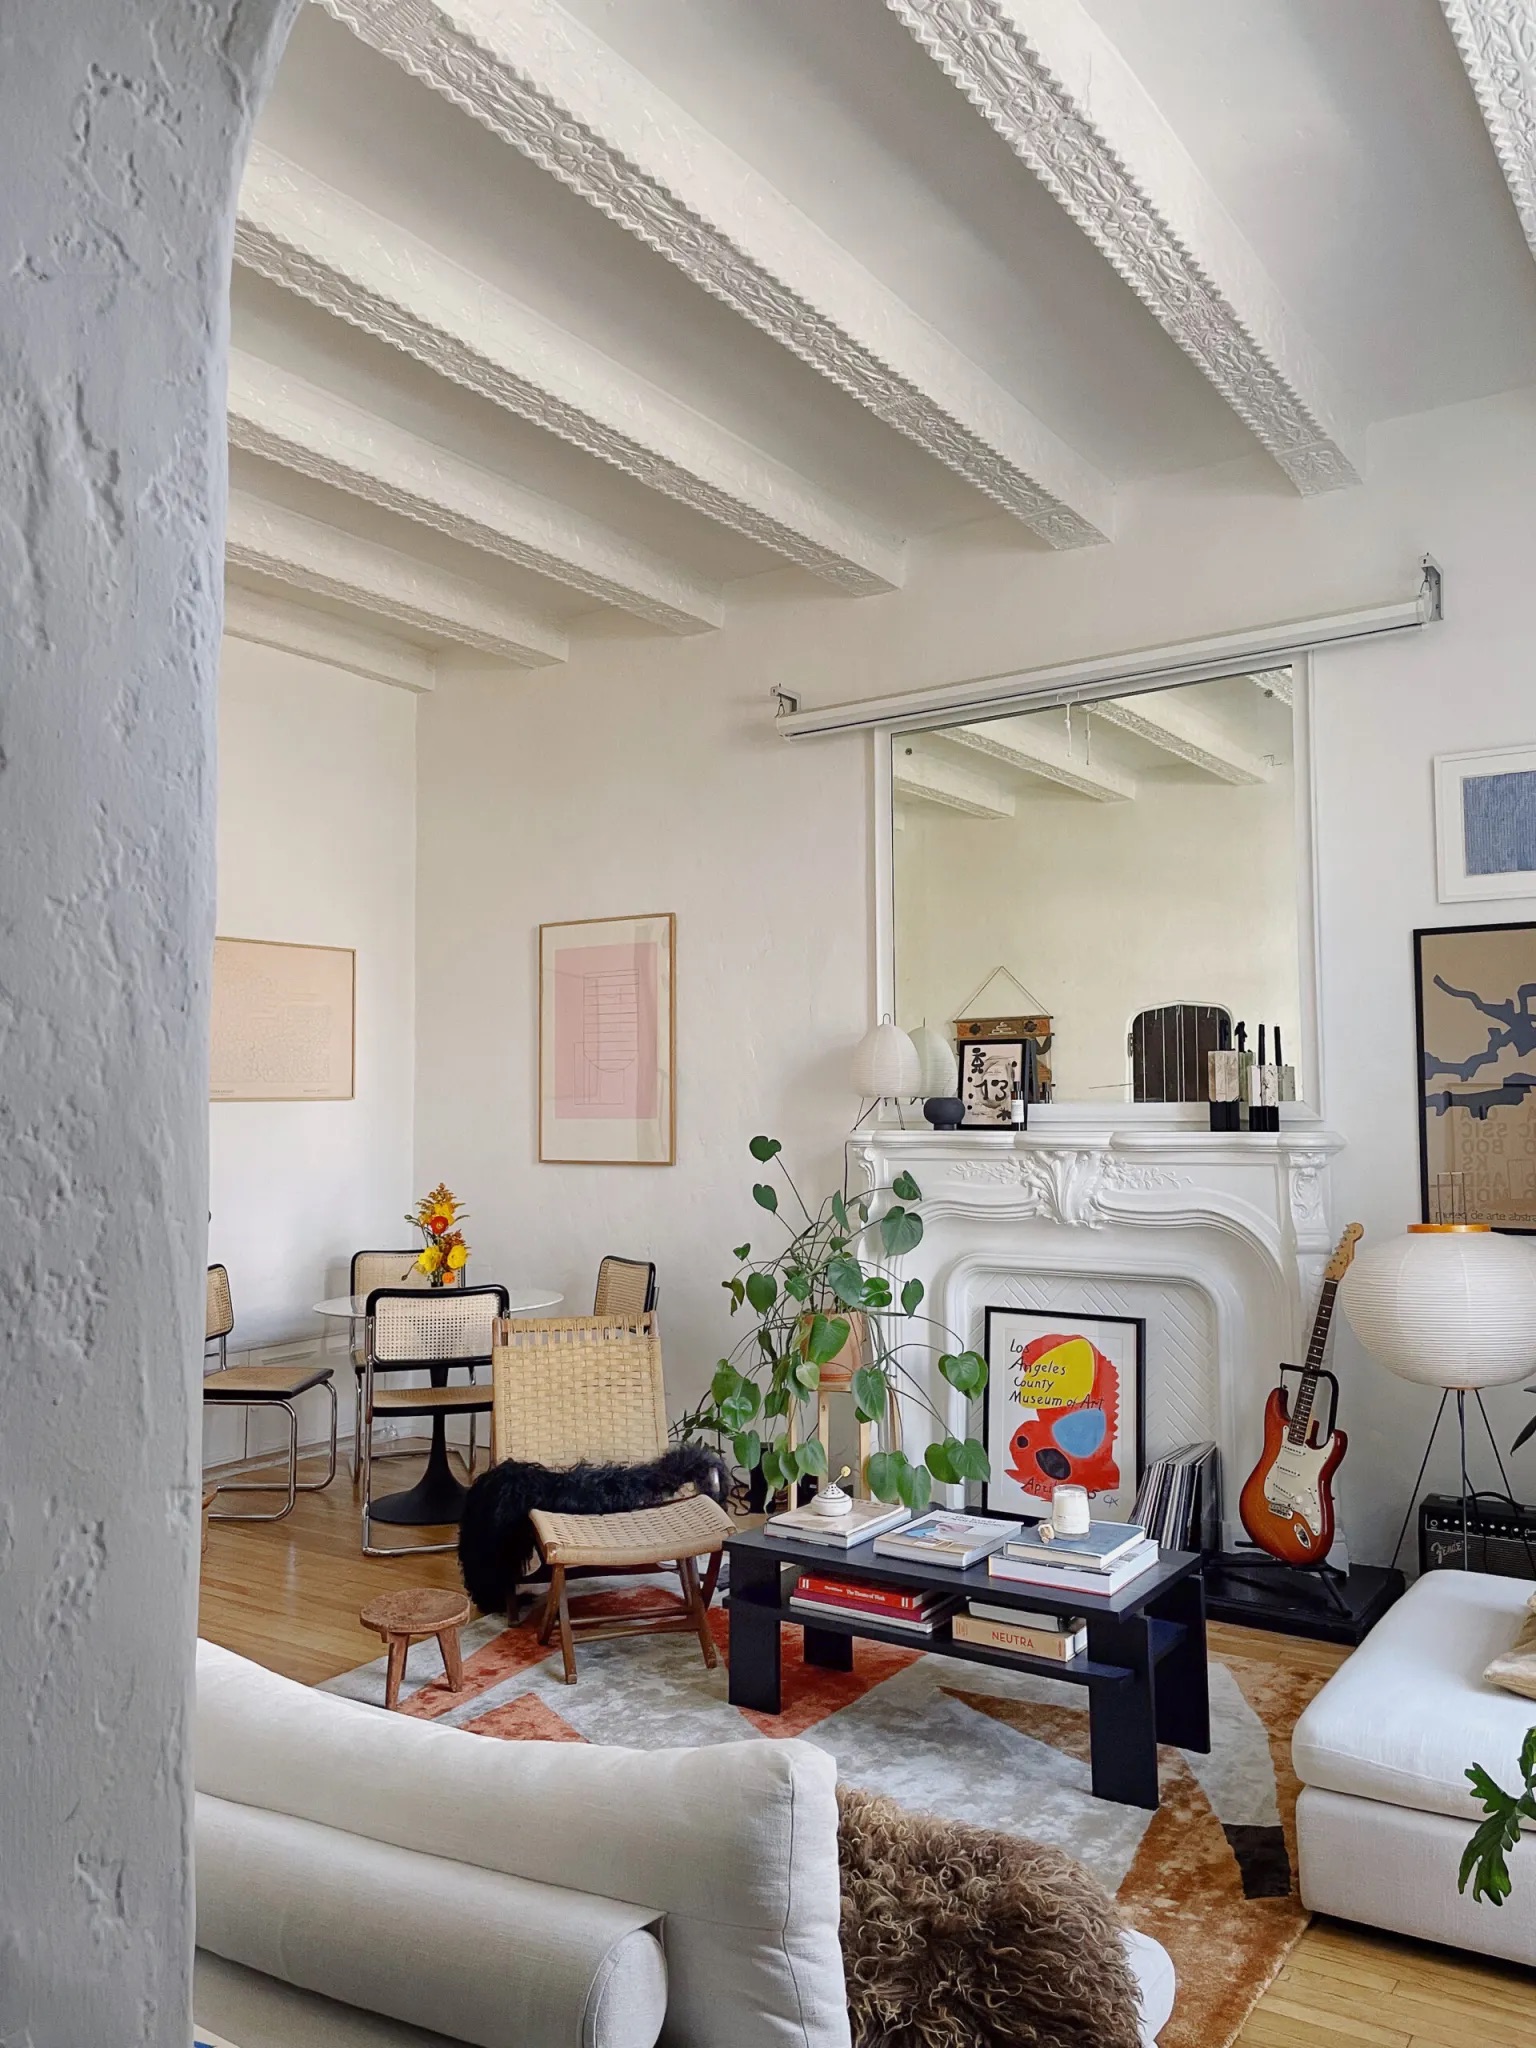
(911, 1296)
(884, 1475)
(900, 1231)
(813, 1458)
(940, 1460)
(914, 1488)
(748, 1446)
(765, 1198)
(966, 1371)
(971, 1460)
(845, 1277)
(870, 1393)
(763, 1149)
(906, 1189)
(762, 1291)
(825, 1339)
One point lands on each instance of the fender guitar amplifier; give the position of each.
(1501, 1536)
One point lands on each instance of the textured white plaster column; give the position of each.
(123, 124)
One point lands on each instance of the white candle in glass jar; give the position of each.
(1069, 1511)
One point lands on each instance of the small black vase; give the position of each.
(944, 1112)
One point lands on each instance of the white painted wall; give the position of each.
(647, 777)
(1185, 895)
(123, 131)
(317, 845)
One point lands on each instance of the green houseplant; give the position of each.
(800, 1298)
(1484, 1866)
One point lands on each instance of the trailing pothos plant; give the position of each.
(800, 1295)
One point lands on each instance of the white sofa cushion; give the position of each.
(486, 1959)
(735, 1844)
(1405, 1715)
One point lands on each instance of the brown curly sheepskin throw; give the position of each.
(956, 1937)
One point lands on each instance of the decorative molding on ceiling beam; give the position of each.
(310, 238)
(320, 636)
(1033, 749)
(1279, 683)
(269, 540)
(1497, 41)
(1175, 729)
(1056, 89)
(295, 423)
(544, 83)
(924, 778)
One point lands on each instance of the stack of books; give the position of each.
(1109, 1557)
(864, 1520)
(1179, 1500)
(952, 1540)
(1057, 1637)
(908, 1608)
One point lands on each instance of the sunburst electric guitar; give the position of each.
(1287, 1505)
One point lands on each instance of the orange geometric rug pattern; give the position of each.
(1210, 1875)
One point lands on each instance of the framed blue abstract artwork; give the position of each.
(1485, 824)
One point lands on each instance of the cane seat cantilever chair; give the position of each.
(259, 1386)
(370, 1270)
(589, 1388)
(437, 1330)
(625, 1287)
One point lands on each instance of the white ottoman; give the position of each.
(1385, 1811)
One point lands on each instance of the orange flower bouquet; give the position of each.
(444, 1254)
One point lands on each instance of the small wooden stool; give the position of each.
(404, 1618)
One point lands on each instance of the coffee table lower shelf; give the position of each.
(1144, 1669)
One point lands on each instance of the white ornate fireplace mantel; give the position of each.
(1217, 1239)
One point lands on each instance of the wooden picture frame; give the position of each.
(1475, 1038)
(608, 1041)
(283, 1025)
(1086, 1423)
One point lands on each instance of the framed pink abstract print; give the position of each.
(607, 1041)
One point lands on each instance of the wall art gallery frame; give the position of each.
(1475, 1035)
(1485, 825)
(1097, 1366)
(283, 1024)
(608, 1041)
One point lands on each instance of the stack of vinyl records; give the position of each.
(1179, 1500)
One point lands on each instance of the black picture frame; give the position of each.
(1134, 1434)
(1486, 1110)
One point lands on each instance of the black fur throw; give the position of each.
(496, 1545)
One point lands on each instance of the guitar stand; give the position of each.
(1327, 1576)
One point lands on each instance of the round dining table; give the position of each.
(437, 1499)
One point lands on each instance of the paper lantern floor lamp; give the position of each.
(886, 1067)
(1448, 1305)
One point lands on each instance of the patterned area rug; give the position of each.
(1210, 1875)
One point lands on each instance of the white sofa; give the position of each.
(1385, 1811)
(367, 1880)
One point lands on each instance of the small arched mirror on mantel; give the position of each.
(1121, 858)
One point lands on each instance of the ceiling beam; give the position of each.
(1176, 729)
(290, 421)
(320, 636)
(544, 83)
(924, 778)
(1034, 749)
(1056, 89)
(312, 239)
(1497, 41)
(269, 540)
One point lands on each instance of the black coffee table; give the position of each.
(1144, 1667)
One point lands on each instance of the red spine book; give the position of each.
(891, 1599)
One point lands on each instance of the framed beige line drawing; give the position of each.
(284, 1022)
(607, 1041)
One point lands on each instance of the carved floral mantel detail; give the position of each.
(1066, 1185)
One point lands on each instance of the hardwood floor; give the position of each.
(288, 1593)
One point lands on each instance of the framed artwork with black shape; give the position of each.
(1065, 1404)
(1475, 988)
(991, 1074)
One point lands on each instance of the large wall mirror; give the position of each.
(1139, 868)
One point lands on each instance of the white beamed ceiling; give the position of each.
(558, 318)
